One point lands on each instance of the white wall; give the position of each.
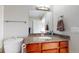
(15, 13)
(71, 16)
(49, 20)
(59, 10)
(1, 26)
(71, 20)
(30, 24)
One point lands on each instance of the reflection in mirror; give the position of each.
(40, 22)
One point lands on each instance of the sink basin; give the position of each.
(41, 39)
(45, 38)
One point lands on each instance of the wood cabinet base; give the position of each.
(48, 47)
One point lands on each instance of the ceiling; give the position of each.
(33, 13)
(36, 14)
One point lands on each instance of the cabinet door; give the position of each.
(36, 47)
(64, 50)
(35, 52)
(50, 45)
(51, 51)
(64, 44)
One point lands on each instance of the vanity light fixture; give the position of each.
(43, 8)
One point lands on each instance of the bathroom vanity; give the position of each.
(47, 44)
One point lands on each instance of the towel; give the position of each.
(60, 25)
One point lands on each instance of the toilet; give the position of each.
(13, 45)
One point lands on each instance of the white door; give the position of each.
(37, 25)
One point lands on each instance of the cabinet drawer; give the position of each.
(51, 51)
(33, 47)
(50, 45)
(64, 50)
(64, 44)
(35, 52)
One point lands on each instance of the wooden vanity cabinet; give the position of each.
(63, 50)
(48, 47)
(51, 51)
(63, 44)
(64, 47)
(34, 47)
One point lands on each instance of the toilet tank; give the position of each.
(13, 45)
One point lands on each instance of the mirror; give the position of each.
(40, 22)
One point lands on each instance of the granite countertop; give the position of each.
(41, 39)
